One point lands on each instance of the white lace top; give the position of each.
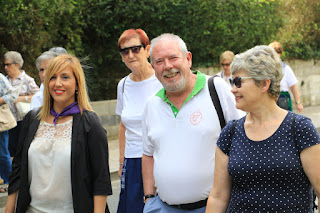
(49, 166)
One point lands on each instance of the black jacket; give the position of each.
(89, 162)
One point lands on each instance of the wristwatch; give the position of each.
(148, 196)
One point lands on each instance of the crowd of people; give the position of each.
(176, 154)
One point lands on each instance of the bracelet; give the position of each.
(26, 98)
(297, 102)
(120, 163)
(148, 196)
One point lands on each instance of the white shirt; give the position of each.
(49, 168)
(130, 104)
(183, 147)
(36, 100)
(289, 79)
(228, 79)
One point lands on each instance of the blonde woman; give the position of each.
(226, 59)
(62, 163)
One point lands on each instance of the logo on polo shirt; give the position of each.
(195, 118)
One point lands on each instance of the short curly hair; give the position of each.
(260, 63)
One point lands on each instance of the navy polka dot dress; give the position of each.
(267, 176)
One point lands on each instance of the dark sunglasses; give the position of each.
(134, 49)
(237, 81)
(225, 64)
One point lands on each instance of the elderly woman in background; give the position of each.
(24, 86)
(268, 160)
(289, 81)
(225, 61)
(133, 92)
(62, 163)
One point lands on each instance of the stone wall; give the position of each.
(307, 73)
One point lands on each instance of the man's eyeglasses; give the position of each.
(237, 81)
(134, 49)
(225, 64)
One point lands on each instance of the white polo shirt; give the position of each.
(289, 79)
(183, 143)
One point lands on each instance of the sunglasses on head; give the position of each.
(134, 49)
(237, 81)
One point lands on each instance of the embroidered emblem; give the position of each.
(195, 118)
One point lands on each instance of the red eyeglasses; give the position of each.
(134, 49)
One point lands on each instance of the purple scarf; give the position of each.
(69, 110)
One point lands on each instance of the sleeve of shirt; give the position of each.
(227, 101)
(224, 141)
(120, 97)
(146, 144)
(306, 133)
(7, 92)
(99, 156)
(290, 77)
(35, 101)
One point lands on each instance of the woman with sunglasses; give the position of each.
(267, 161)
(289, 81)
(62, 162)
(226, 59)
(133, 92)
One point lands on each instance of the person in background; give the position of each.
(62, 163)
(267, 161)
(59, 50)
(6, 96)
(13, 62)
(289, 81)
(42, 63)
(180, 128)
(226, 59)
(133, 92)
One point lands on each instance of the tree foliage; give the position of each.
(209, 27)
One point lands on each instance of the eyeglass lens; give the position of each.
(134, 49)
(237, 82)
(225, 64)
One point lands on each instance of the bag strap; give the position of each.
(22, 81)
(216, 101)
(124, 81)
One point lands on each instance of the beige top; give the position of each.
(49, 166)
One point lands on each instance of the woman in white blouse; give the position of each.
(62, 163)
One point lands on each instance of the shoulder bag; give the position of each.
(7, 121)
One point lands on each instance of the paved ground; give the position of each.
(312, 112)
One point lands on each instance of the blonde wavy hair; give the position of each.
(57, 65)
